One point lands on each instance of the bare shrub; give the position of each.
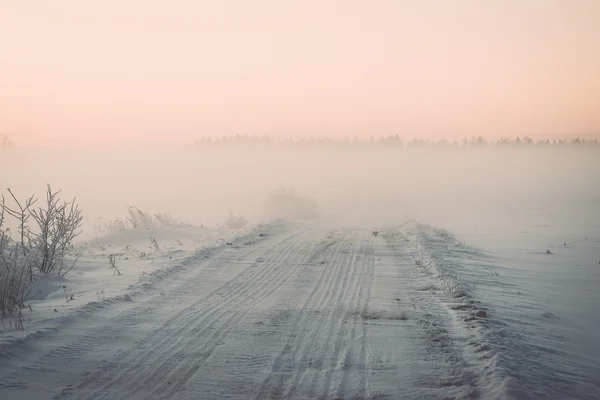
(112, 227)
(140, 219)
(14, 270)
(38, 251)
(164, 219)
(21, 213)
(112, 261)
(67, 297)
(154, 245)
(167, 221)
(13, 279)
(234, 222)
(289, 204)
(58, 224)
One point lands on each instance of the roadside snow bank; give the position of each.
(512, 343)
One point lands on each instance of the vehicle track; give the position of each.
(319, 357)
(163, 362)
(303, 314)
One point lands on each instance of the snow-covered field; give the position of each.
(463, 275)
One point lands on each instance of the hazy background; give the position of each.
(80, 71)
(104, 98)
(463, 189)
(101, 97)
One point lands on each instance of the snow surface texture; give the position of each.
(425, 276)
(299, 311)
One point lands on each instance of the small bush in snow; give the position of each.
(141, 219)
(289, 204)
(138, 219)
(37, 251)
(58, 224)
(234, 222)
(67, 297)
(112, 227)
(154, 245)
(167, 221)
(14, 273)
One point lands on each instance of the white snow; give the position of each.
(455, 297)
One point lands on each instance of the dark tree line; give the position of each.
(391, 141)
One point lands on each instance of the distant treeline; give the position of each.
(392, 141)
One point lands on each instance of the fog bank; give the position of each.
(457, 188)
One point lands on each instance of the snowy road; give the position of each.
(309, 312)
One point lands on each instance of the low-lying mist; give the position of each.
(456, 188)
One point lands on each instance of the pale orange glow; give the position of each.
(178, 70)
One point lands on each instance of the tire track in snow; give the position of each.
(344, 363)
(333, 308)
(179, 348)
(360, 370)
(66, 345)
(332, 351)
(184, 323)
(240, 366)
(315, 362)
(261, 293)
(275, 382)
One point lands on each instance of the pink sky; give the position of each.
(114, 70)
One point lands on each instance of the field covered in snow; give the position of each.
(427, 273)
